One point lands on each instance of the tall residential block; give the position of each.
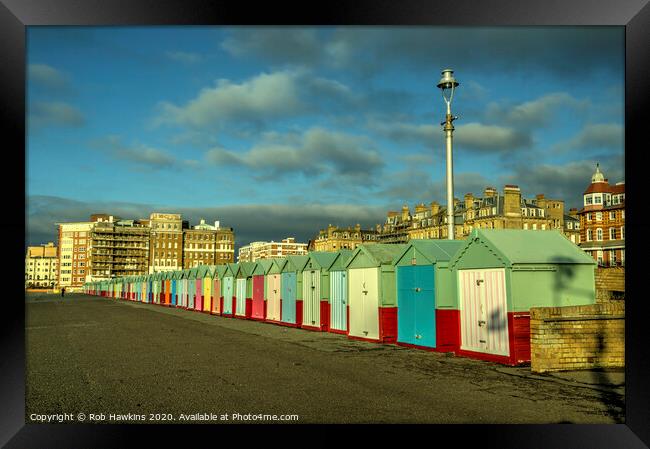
(74, 254)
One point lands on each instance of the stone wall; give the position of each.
(610, 284)
(577, 337)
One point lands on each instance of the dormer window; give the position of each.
(588, 200)
(598, 199)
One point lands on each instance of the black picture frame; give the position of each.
(15, 15)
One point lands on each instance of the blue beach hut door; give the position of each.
(288, 298)
(416, 314)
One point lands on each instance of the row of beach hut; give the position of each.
(469, 297)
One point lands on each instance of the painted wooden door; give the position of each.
(258, 297)
(191, 293)
(228, 293)
(273, 309)
(240, 305)
(483, 314)
(216, 295)
(364, 303)
(198, 294)
(338, 300)
(311, 298)
(288, 297)
(207, 294)
(416, 314)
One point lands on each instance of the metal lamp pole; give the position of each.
(448, 85)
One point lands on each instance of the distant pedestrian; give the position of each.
(62, 292)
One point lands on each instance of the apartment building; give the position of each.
(166, 242)
(117, 247)
(267, 250)
(74, 254)
(206, 244)
(334, 238)
(41, 266)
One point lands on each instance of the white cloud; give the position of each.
(595, 136)
(538, 112)
(47, 76)
(314, 152)
(472, 136)
(56, 113)
(265, 97)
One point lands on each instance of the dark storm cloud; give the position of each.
(564, 51)
(302, 221)
(566, 182)
(416, 186)
(43, 212)
(276, 45)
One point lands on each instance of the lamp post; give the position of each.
(448, 85)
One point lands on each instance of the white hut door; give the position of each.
(311, 303)
(484, 324)
(370, 295)
(273, 307)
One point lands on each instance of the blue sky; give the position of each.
(279, 131)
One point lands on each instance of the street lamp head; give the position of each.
(447, 81)
(447, 84)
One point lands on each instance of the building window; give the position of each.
(590, 235)
(599, 256)
(612, 233)
(588, 200)
(622, 232)
(599, 216)
(543, 227)
(598, 199)
(589, 216)
(525, 225)
(612, 215)
(612, 257)
(599, 234)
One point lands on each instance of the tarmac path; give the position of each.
(99, 356)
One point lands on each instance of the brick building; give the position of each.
(602, 221)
